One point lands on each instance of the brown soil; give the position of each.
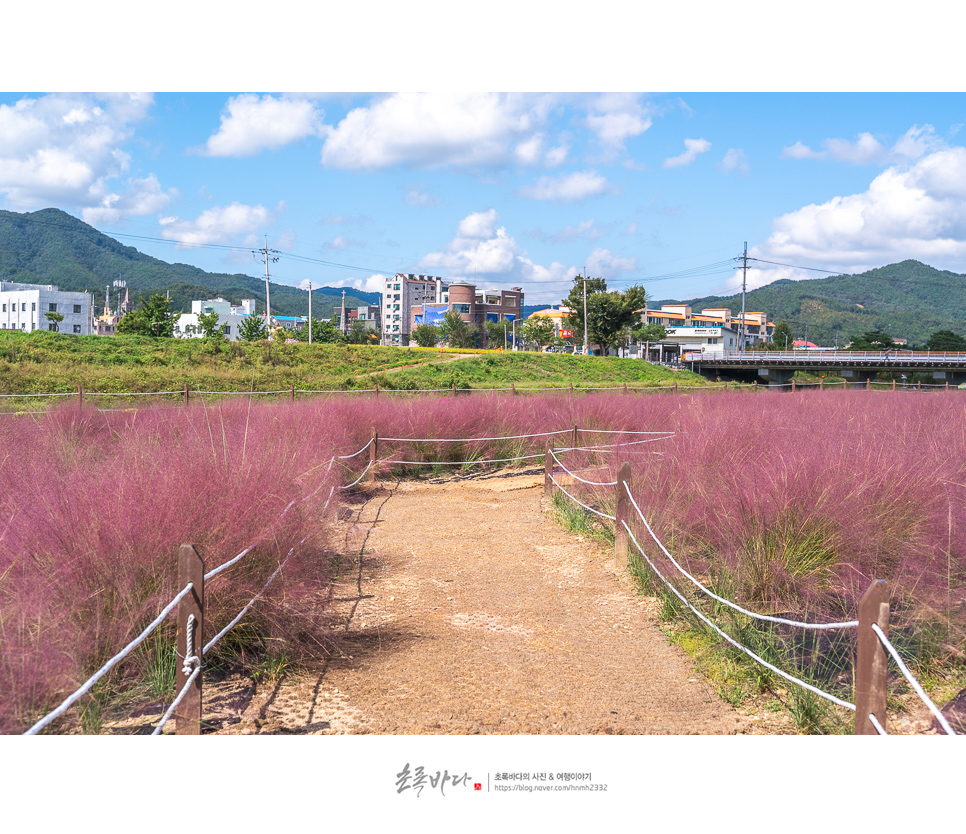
(464, 609)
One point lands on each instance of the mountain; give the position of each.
(908, 300)
(53, 247)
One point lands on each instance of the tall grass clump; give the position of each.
(93, 508)
(792, 504)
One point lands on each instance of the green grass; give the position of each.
(54, 363)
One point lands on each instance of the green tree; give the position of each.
(55, 319)
(537, 331)
(359, 334)
(873, 340)
(782, 337)
(208, 322)
(946, 340)
(152, 318)
(252, 329)
(607, 312)
(458, 333)
(323, 332)
(426, 335)
(498, 333)
(647, 334)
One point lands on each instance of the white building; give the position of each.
(22, 307)
(402, 292)
(230, 317)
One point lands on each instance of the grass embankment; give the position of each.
(48, 363)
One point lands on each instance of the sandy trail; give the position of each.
(465, 609)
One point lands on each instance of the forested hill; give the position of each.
(908, 300)
(53, 247)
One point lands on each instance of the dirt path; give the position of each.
(450, 357)
(466, 610)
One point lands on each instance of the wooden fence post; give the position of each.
(186, 395)
(373, 455)
(377, 390)
(793, 386)
(821, 384)
(454, 388)
(573, 442)
(919, 385)
(893, 384)
(623, 505)
(871, 666)
(191, 621)
(291, 394)
(547, 471)
(571, 388)
(675, 386)
(80, 396)
(625, 387)
(868, 383)
(513, 389)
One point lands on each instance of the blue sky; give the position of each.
(505, 189)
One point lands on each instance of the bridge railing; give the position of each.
(837, 356)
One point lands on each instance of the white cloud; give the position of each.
(481, 224)
(735, 160)
(65, 149)
(867, 150)
(417, 197)
(428, 130)
(694, 147)
(566, 189)
(617, 117)
(584, 230)
(916, 211)
(144, 196)
(603, 263)
(250, 124)
(216, 225)
(483, 249)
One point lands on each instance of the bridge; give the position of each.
(778, 367)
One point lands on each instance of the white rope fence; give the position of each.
(581, 503)
(912, 681)
(731, 640)
(729, 603)
(577, 477)
(130, 647)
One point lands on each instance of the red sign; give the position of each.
(566, 334)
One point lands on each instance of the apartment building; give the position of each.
(474, 306)
(399, 294)
(22, 307)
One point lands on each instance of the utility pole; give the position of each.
(269, 255)
(342, 326)
(310, 312)
(744, 286)
(586, 345)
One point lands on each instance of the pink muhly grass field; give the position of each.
(788, 502)
(93, 508)
(796, 503)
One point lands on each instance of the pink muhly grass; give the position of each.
(94, 507)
